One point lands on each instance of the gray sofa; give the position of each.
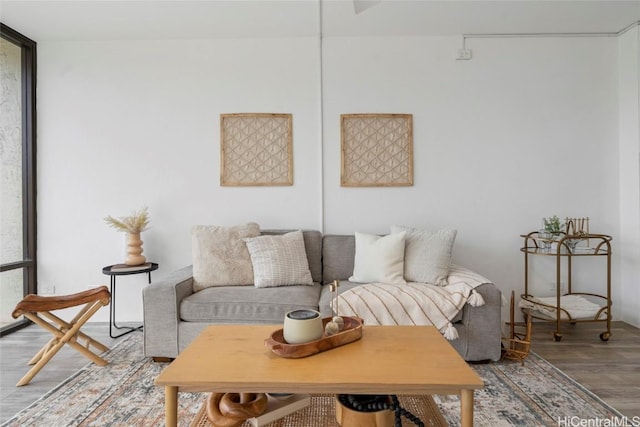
(174, 315)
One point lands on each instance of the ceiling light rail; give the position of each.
(465, 54)
(524, 35)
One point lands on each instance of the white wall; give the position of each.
(528, 128)
(629, 122)
(124, 124)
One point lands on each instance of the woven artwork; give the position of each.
(377, 150)
(256, 149)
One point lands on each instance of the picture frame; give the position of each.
(256, 149)
(376, 150)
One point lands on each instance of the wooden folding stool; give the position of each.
(37, 308)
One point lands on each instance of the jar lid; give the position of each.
(303, 314)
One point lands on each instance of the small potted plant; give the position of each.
(549, 232)
(133, 224)
(552, 225)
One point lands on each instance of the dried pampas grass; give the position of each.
(137, 222)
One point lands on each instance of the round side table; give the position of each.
(114, 271)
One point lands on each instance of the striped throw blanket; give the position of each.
(414, 303)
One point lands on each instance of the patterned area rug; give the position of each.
(322, 413)
(123, 394)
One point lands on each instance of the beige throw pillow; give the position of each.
(379, 259)
(220, 256)
(427, 254)
(279, 260)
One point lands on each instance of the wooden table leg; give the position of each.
(171, 406)
(466, 408)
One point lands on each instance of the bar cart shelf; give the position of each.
(570, 307)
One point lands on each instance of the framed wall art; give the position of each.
(256, 149)
(376, 150)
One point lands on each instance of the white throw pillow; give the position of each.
(279, 260)
(379, 259)
(427, 255)
(220, 257)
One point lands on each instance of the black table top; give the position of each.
(124, 269)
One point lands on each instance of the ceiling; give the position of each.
(186, 19)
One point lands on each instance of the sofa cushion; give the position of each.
(338, 254)
(427, 255)
(379, 258)
(279, 260)
(247, 304)
(324, 304)
(220, 256)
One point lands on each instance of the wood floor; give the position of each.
(18, 348)
(611, 370)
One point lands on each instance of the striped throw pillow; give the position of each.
(279, 260)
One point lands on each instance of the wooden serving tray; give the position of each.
(352, 332)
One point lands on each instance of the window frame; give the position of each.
(29, 223)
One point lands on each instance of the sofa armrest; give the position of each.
(483, 325)
(161, 306)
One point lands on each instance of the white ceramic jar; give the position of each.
(302, 326)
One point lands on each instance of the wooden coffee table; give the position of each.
(387, 360)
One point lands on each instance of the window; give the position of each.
(17, 173)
